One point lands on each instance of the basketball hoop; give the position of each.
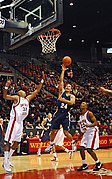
(48, 40)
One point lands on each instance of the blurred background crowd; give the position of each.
(85, 79)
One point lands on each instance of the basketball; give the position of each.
(67, 60)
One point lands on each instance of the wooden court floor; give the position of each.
(32, 166)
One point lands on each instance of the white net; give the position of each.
(48, 40)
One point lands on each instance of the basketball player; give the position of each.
(19, 111)
(66, 100)
(90, 137)
(58, 141)
(105, 91)
(46, 126)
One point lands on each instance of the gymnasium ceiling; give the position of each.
(93, 21)
(85, 22)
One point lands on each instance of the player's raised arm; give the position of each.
(61, 82)
(38, 88)
(105, 91)
(6, 96)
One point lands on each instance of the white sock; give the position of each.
(54, 154)
(66, 150)
(51, 143)
(6, 154)
(39, 151)
(83, 161)
(10, 153)
(97, 161)
(72, 141)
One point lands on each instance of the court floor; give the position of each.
(32, 166)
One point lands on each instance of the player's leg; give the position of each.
(52, 137)
(95, 158)
(82, 154)
(55, 127)
(6, 151)
(70, 152)
(39, 149)
(59, 140)
(53, 134)
(93, 143)
(84, 164)
(12, 150)
(7, 144)
(55, 158)
(6, 164)
(16, 138)
(65, 124)
(69, 136)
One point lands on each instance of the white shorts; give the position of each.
(14, 131)
(90, 140)
(59, 138)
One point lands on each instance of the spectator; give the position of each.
(24, 144)
(109, 131)
(104, 133)
(37, 135)
(38, 126)
(31, 135)
(29, 125)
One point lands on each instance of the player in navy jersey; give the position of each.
(46, 126)
(66, 100)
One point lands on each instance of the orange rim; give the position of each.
(53, 35)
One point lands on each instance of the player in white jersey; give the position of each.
(19, 111)
(90, 137)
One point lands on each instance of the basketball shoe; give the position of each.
(54, 159)
(39, 152)
(98, 166)
(83, 167)
(7, 168)
(10, 163)
(49, 148)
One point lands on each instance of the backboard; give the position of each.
(41, 15)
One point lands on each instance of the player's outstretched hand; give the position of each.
(64, 68)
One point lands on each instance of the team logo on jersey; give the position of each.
(101, 172)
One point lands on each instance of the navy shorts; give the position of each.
(45, 137)
(60, 118)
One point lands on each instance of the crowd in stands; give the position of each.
(5, 69)
(85, 87)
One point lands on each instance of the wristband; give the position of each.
(42, 81)
(6, 87)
